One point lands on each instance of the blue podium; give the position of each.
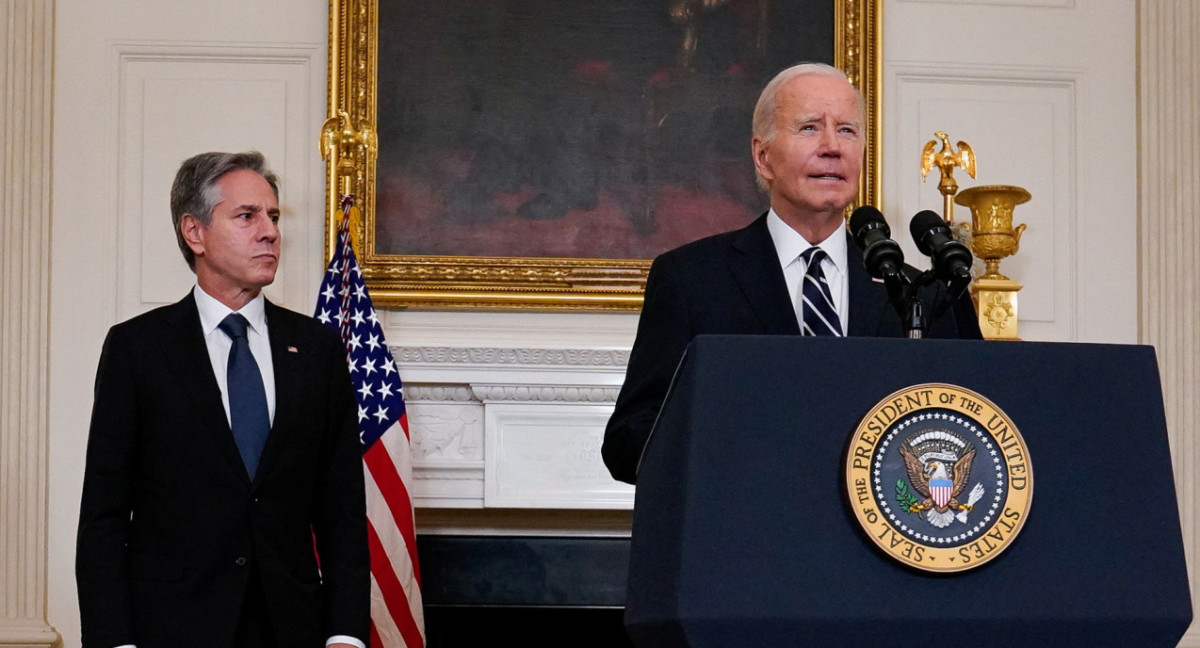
(743, 535)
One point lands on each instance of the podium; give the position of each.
(743, 535)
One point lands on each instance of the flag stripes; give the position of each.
(397, 620)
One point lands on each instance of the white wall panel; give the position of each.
(1044, 93)
(1020, 123)
(547, 455)
(176, 102)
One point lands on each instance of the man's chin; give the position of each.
(265, 279)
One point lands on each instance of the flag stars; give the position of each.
(324, 317)
(366, 390)
(373, 317)
(328, 294)
(369, 366)
(385, 390)
(380, 414)
(389, 367)
(355, 342)
(362, 414)
(358, 318)
(373, 341)
(360, 292)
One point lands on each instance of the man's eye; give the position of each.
(275, 218)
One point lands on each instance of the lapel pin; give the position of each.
(293, 349)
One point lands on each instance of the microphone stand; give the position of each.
(903, 297)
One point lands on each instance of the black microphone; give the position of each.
(951, 259)
(882, 256)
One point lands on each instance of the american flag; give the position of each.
(344, 305)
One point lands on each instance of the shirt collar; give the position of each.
(789, 244)
(213, 311)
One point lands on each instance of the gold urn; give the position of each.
(993, 238)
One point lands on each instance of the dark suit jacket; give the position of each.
(171, 527)
(732, 283)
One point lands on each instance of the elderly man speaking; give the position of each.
(792, 271)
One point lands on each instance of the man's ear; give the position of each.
(758, 150)
(193, 233)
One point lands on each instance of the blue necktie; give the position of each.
(248, 414)
(820, 317)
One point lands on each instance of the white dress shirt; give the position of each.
(789, 245)
(212, 312)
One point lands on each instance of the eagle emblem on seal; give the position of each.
(938, 463)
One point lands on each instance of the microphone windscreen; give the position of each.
(925, 222)
(864, 216)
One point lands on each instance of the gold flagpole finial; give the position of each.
(945, 160)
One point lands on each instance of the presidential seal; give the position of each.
(939, 478)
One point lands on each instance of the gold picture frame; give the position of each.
(349, 144)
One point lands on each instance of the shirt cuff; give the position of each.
(345, 639)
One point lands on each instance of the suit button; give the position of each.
(240, 562)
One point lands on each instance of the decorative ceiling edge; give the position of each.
(512, 357)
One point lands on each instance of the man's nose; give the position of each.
(828, 143)
(268, 230)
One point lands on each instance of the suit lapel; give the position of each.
(755, 266)
(285, 349)
(868, 298)
(186, 355)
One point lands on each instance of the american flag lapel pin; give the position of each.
(292, 349)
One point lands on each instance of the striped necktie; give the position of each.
(820, 316)
(248, 414)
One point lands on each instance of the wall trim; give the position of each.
(25, 177)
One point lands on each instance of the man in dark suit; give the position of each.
(223, 459)
(808, 149)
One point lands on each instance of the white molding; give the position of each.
(26, 39)
(1033, 4)
(437, 393)
(511, 357)
(1169, 265)
(545, 393)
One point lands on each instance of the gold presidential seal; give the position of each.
(939, 478)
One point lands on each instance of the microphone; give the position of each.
(951, 259)
(885, 260)
(882, 256)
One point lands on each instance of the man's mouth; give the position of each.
(827, 176)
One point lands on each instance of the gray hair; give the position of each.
(763, 125)
(195, 188)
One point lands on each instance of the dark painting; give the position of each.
(607, 129)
